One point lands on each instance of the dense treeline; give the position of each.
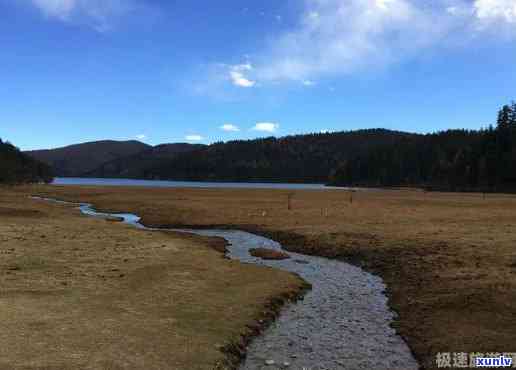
(301, 158)
(79, 159)
(456, 160)
(137, 166)
(17, 167)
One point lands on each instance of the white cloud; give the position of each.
(229, 127)
(194, 138)
(266, 127)
(336, 37)
(453, 10)
(384, 4)
(340, 37)
(239, 80)
(495, 10)
(238, 77)
(141, 137)
(61, 9)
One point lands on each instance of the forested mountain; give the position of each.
(301, 158)
(137, 166)
(17, 167)
(456, 160)
(76, 160)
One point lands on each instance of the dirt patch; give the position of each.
(215, 243)
(268, 254)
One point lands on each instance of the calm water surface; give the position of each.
(188, 184)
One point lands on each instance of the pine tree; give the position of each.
(505, 117)
(16, 167)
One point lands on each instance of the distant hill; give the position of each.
(17, 167)
(453, 160)
(456, 160)
(77, 160)
(140, 165)
(300, 158)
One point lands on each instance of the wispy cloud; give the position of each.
(194, 137)
(238, 77)
(141, 137)
(61, 9)
(266, 127)
(99, 14)
(229, 127)
(339, 37)
(335, 37)
(496, 10)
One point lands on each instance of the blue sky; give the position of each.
(203, 71)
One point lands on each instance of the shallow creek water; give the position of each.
(342, 323)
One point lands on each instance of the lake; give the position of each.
(187, 184)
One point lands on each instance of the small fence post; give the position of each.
(289, 201)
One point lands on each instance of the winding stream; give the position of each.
(342, 323)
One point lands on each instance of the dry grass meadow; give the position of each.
(449, 260)
(84, 293)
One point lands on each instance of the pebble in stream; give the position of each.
(342, 323)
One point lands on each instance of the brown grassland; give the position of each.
(448, 260)
(84, 293)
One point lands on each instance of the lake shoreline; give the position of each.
(269, 184)
(85, 181)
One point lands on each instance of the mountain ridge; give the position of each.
(293, 158)
(76, 159)
(137, 165)
(451, 160)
